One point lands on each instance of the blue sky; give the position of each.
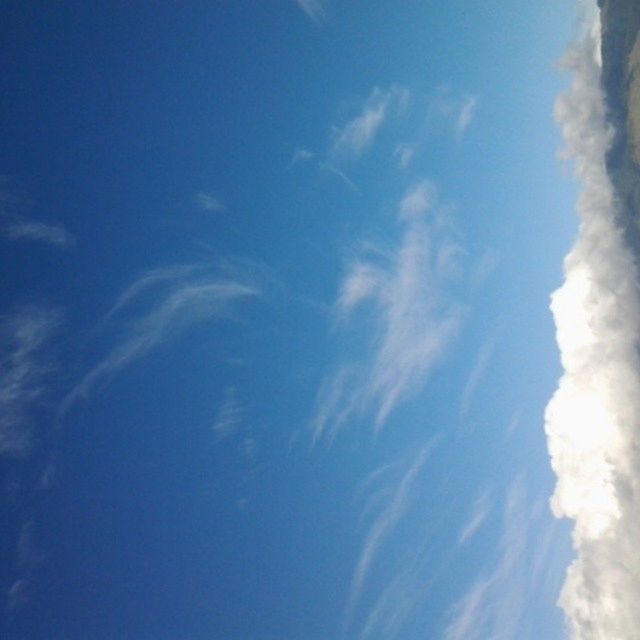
(275, 319)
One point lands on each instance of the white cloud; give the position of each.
(230, 416)
(480, 511)
(483, 357)
(23, 371)
(418, 200)
(149, 280)
(361, 283)
(185, 303)
(592, 420)
(483, 268)
(404, 293)
(456, 109)
(28, 230)
(382, 527)
(404, 154)
(494, 606)
(357, 135)
(209, 202)
(300, 156)
(341, 175)
(313, 8)
(466, 115)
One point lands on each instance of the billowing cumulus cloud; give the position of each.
(592, 420)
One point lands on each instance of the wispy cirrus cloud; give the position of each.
(300, 156)
(465, 115)
(494, 605)
(458, 109)
(592, 420)
(404, 154)
(31, 231)
(18, 226)
(479, 512)
(382, 528)
(315, 9)
(483, 358)
(341, 175)
(209, 202)
(403, 291)
(185, 302)
(230, 416)
(24, 367)
(355, 136)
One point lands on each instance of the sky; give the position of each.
(275, 328)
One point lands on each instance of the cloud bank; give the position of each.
(592, 420)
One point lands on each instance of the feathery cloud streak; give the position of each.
(494, 605)
(313, 8)
(357, 135)
(592, 420)
(28, 230)
(23, 336)
(383, 527)
(415, 319)
(185, 303)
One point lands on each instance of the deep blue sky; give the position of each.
(275, 329)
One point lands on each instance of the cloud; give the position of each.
(208, 202)
(23, 372)
(14, 202)
(457, 109)
(480, 511)
(418, 200)
(230, 416)
(357, 135)
(403, 292)
(484, 267)
(483, 357)
(404, 154)
(300, 156)
(592, 420)
(186, 302)
(26, 230)
(149, 281)
(494, 605)
(466, 115)
(313, 8)
(341, 175)
(383, 526)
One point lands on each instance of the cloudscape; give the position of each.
(320, 320)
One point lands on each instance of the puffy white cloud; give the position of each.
(592, 420)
